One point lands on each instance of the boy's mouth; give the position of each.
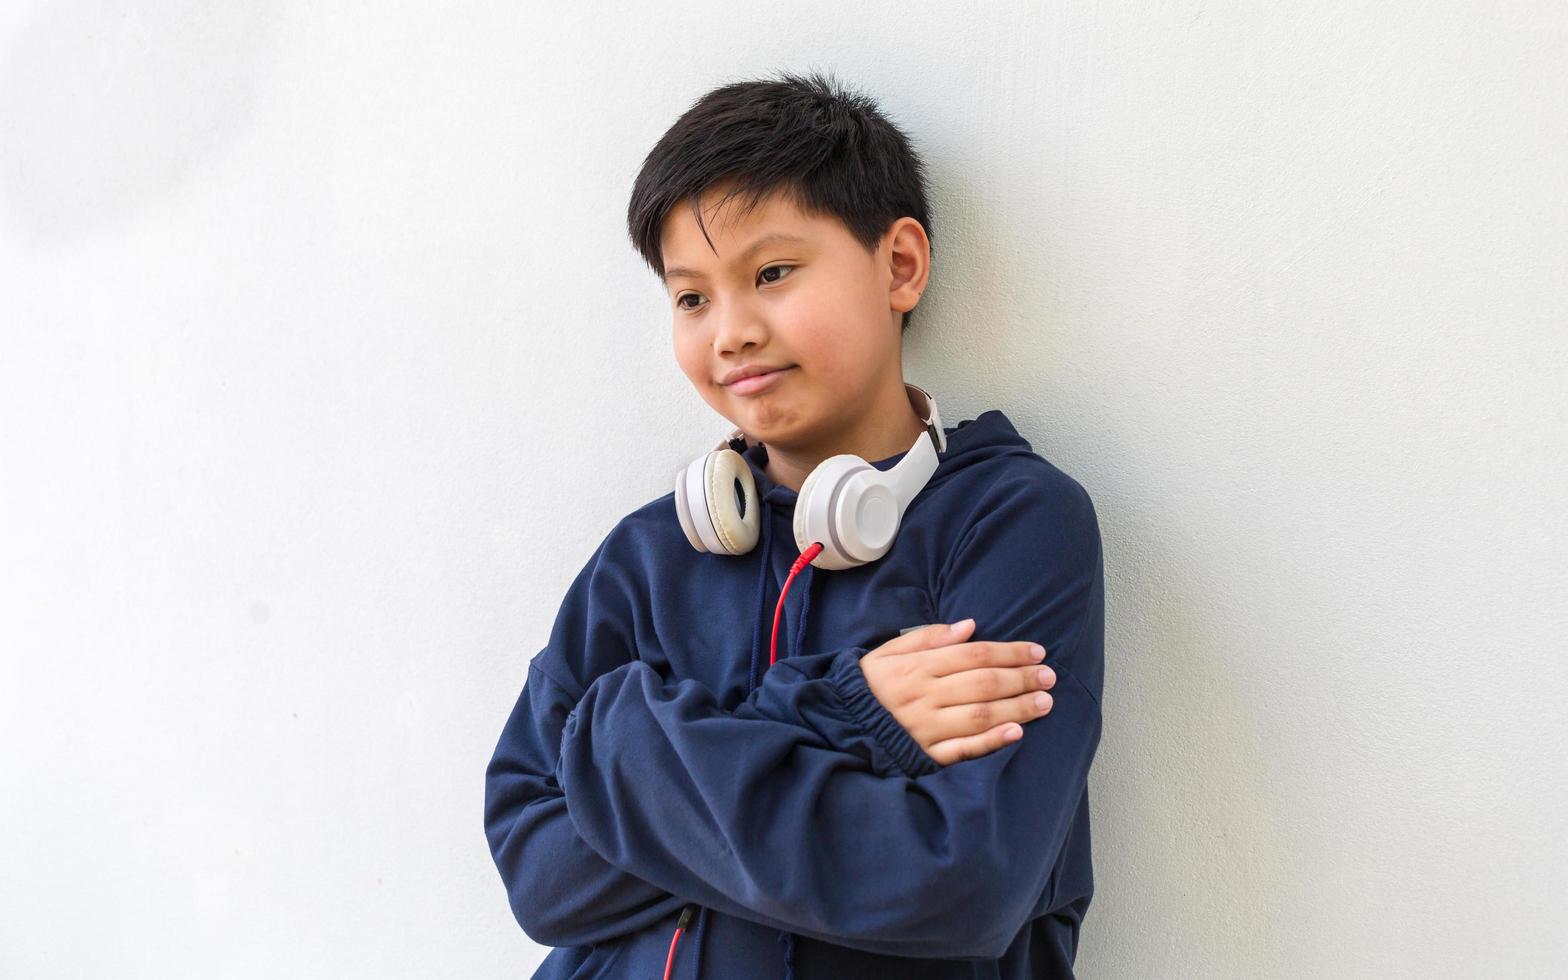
(758, 382)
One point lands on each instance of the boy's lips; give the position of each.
(747, 370)
(758, 382)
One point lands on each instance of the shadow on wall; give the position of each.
(106, 108)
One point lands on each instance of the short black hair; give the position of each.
(831, 149)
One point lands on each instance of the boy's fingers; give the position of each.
(951, 750)
(979, 655)
(972, 719)
(928, 637)
(987, 685)
(946, 649)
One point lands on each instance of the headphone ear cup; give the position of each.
(716, 501)
(802, 537)
(814, 511)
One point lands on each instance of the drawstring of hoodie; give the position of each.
(760, 603)
(699, 929)
(785, 936)
(810, 572)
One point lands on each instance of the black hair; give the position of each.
(831, 150)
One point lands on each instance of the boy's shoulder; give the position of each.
(989, 460)
(653, 523)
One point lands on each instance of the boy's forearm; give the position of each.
(763, 820)
(561, 891)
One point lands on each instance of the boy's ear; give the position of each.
(909, 260)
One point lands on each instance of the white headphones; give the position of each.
(847, 504)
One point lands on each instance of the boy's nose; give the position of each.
(739, 331)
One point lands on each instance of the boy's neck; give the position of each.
(886, 428)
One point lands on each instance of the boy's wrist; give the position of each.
(863, 708)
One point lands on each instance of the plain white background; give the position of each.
(325, 363)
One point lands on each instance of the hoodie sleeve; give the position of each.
(768, 812)
(561, 891)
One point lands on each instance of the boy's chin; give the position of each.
(786, 438)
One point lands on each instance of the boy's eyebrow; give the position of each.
(775, 238)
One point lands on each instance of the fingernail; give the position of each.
(962, 625)
(1037, 650)
(1046, 675)
(1042, 700)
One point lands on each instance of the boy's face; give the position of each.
(821, 308)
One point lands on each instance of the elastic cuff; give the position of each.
(862, 707)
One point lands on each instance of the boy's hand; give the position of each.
(958, 700)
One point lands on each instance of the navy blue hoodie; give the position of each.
(655, 759)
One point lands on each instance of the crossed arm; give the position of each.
(807, 807)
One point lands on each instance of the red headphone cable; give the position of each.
(680, 927)
(801, 562)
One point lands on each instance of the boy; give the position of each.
(881, 801)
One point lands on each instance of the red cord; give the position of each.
(680, 927)
(801, 562)
(773, 656)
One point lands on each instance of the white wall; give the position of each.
(325, 362)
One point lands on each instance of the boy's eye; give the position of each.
(680, 301)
